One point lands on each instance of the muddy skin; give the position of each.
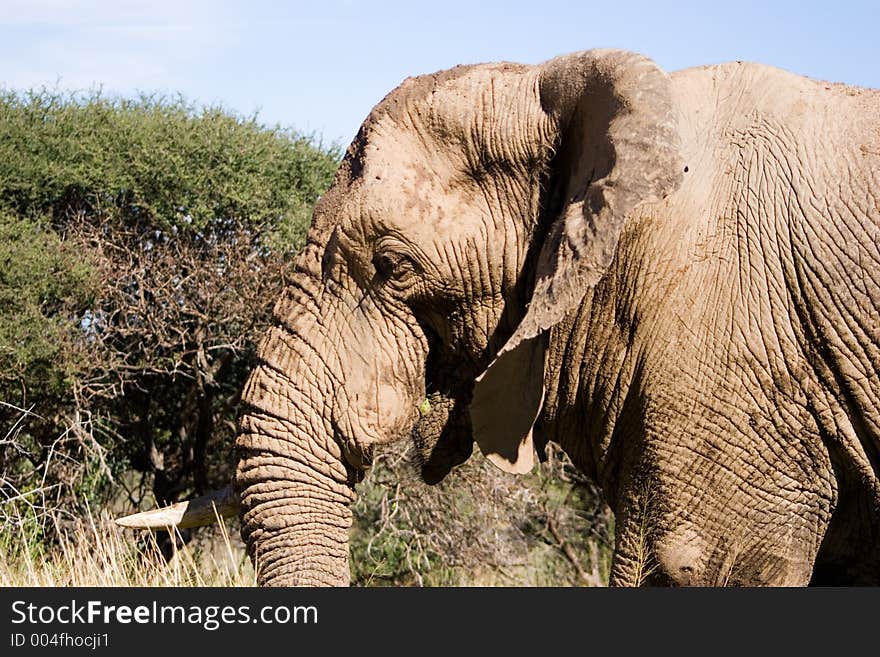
(674, 276)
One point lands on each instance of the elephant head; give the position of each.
(472, 211)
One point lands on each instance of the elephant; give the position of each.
(674, 277)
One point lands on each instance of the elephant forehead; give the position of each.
(407, 192)
(447, 100)
(458, 119)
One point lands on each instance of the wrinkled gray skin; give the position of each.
(681, 271)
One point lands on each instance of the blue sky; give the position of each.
(320, 65)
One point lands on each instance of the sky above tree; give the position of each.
(321, 66)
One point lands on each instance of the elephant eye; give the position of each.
(390, 265)
(384, 266)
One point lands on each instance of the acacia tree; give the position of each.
(142, 246)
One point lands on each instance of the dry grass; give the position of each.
(95, 552)
(480, 527)
(51, 536)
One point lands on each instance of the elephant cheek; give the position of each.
(362, 420)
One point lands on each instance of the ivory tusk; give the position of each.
(196, 512)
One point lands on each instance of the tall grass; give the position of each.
(95, 552)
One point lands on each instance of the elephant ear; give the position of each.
(614, 130)
(507, 398)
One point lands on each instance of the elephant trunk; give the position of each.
(336, 375)
(293, 481)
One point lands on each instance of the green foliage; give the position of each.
(45, 287)
(181, 167)
(142, 246)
